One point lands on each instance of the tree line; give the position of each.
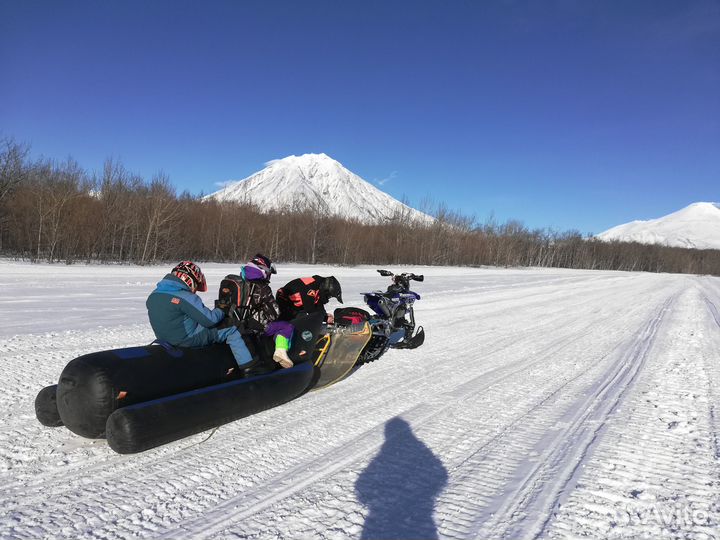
(58, 212)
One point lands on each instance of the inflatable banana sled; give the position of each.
(171, 392)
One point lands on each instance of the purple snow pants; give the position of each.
(280, 328)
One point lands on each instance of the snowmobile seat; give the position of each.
(350, 315)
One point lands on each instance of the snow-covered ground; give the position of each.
(544, 404)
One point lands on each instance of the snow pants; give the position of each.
(230, 335)
(280, 328)
(282, 331)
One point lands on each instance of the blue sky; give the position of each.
(568, 114)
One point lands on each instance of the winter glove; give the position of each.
(249, 326)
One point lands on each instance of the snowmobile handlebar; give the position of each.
(405, 276)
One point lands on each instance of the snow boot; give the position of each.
(282, 358)
(255, 368)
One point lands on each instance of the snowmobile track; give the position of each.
(113, 477)
(713, 310)
(656, 466)
(122, 465)
(80, 490)
(260, 497)
(563, 457)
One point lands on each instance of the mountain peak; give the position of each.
(302, 160)
(319, 182)
(310, 164)
(704, 206)
(695, 226)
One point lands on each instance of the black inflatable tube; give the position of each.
(92, 386)
(139, 427)
(46, 409)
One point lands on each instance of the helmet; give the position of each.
(330, 288)
(264, 263)
(191, 275)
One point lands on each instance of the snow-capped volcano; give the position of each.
(319, 182)
(695, 226)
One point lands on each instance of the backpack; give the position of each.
(235, 296)
(243, 299)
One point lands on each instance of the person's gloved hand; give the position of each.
(249, 326)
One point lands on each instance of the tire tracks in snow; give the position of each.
(525, 511)
(656, 466)
(119, 466)
(67, 487)
(262, 496)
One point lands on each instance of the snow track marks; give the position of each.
(540, 396)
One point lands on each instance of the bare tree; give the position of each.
(54, 212)
(161, 209)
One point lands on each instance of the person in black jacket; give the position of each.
(258, 308)
(307, 295)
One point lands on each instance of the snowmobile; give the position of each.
(393, 319)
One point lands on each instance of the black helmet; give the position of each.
(330, 288)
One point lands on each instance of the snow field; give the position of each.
(544, 404)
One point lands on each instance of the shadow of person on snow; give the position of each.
(399, 487)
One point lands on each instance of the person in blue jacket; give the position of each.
(178, 315)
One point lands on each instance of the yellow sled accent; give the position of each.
(321, 348)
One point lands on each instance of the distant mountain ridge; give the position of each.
(316, 181)
(696, 226)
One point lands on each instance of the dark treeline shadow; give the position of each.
(56, 211)
(399, 487)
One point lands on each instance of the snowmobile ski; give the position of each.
(412, 343)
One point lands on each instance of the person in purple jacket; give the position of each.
(260, 305)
